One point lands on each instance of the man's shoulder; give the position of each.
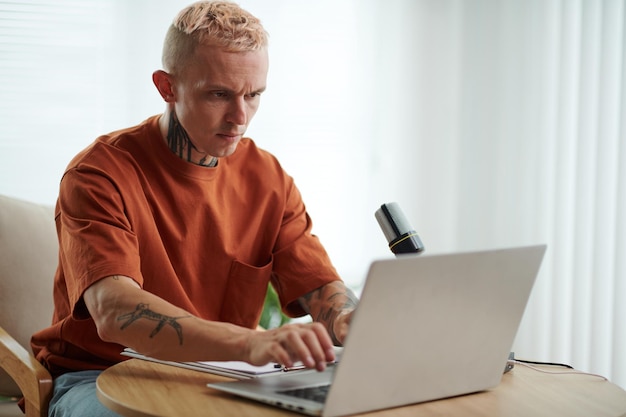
(248, 152)
(116, 146)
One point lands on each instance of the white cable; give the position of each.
(573, 372)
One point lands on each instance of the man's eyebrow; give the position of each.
(216, 87)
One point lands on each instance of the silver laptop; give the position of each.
(427, 327)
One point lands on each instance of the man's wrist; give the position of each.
(339, 326)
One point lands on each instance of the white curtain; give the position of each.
(502, 123)
(533, 120)
(571, 134)
(492, 122)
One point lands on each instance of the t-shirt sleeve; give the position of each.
(301, 264)
(96, 237)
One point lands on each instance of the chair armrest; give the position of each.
(30, 376)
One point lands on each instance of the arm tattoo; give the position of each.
(326, 303)
(142, 311)
(178, 141)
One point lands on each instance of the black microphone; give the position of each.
(400, 234)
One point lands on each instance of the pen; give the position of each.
(293, 368)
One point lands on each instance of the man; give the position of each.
(170, 231)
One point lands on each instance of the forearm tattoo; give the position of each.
(178, 141)
(326, 303)
(142, 311)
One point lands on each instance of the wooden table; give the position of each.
(138, 388)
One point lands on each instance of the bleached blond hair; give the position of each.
(214, 23)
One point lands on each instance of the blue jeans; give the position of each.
(74, 395)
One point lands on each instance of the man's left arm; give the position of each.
(332, 305)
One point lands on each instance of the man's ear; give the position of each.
(163, 82)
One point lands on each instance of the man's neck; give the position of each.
(180, 144)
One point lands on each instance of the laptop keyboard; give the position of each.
(317, 393)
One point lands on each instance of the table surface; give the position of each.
(139, 388)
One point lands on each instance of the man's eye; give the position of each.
(219, 94)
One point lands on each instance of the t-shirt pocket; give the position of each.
(245, 293)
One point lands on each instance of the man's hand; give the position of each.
(126, 314)
(308, 343)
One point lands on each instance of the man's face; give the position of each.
(217, 95)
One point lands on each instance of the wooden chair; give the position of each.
(28, 259)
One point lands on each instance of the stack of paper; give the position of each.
(233, 369)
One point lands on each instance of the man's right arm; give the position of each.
(132, 317)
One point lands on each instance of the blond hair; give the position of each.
(214, 23)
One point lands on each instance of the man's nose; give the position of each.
(237, 113)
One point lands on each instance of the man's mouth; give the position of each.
(230, 137)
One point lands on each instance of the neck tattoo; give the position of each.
(178, 141)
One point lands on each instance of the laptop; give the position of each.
(427, 327)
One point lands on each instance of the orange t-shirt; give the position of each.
(205, 239)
